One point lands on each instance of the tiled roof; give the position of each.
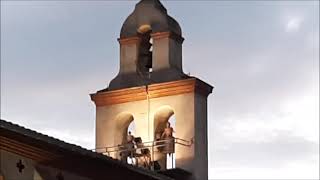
(16, 129)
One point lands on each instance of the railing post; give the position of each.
(155, 143)
(152, 155)
(171, 160)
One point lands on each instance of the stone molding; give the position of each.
(191, 85)
(155, 36)
(161, 35)
(131, 40)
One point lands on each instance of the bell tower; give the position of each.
(149, 89)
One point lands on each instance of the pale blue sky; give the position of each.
(261, 56)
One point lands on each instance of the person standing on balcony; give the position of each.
(168, 136)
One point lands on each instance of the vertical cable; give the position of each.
(148, 112)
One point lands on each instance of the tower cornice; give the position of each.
(172, 35)
(155, 36)
(190, 85)
(130, 40)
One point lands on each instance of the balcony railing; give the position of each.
(143, 154)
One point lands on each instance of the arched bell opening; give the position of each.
(131, 130)
(171, 163)
(164, 131)
(124, 122)
(144, 64)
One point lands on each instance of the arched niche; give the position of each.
(161, 118)
(123, 121)
(144, 66)
(163, 115)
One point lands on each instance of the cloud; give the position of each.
(79, 138)
(263, 114)
(294, 170)
(270, 144)
(294, 24)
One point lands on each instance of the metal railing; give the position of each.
(152, 147)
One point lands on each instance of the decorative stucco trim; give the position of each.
(172, 35)
(191, 85)
(131, 40)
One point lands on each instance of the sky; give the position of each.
(262, 57)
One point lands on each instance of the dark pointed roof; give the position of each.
(155, 3)
(149, 12)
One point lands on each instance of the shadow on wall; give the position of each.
(123, 121)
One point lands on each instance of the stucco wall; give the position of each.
(31, 171)
(191, 123)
